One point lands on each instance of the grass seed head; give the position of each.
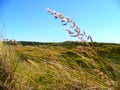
(60, 15)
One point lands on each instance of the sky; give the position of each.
(28, 20)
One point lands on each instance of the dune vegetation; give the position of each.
(84, 65)
(59, 66)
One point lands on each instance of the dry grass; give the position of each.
(8, 66)
(52, 67)
(57, 67)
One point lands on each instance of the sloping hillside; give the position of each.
(64, 66)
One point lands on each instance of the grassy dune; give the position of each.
(59, 66)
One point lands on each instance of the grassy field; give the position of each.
(59, 66)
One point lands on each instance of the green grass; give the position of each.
(59, 66)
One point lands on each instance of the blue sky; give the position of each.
(28, 20)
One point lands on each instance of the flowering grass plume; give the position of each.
(73, 29)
